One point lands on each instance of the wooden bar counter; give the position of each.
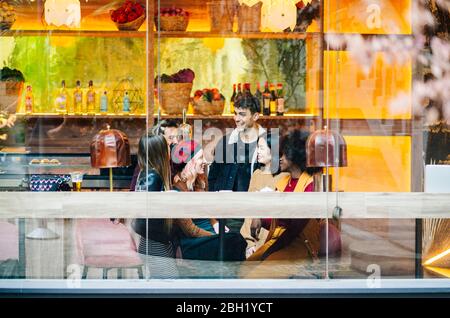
(369, 205)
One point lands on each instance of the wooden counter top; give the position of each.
(222, 205)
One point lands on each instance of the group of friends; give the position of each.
(249, 159)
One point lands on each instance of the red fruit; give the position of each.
(132, 16)
(300, 4)
(122, 18)
(198, 93)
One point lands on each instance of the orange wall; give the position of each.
(368, 17)
(375, 164)
(352, 94)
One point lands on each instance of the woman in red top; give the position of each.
(291, 239)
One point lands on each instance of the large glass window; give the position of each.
(224, 139)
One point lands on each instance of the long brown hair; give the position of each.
(153, 153)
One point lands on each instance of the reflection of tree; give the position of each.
(279, 61)
(292, 60)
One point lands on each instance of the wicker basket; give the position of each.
(6, 26)
(174, 97)
(249, 18)
(221, 15)
(131, 26)
(206, 108)
(172, 23)
(10, 94)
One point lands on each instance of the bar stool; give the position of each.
(103, 244)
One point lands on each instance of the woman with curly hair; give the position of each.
(291, 239)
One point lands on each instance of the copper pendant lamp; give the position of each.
(110, 148)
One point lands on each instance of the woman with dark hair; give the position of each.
(264, 178)
(155, 247)
(292, 239)
(268, 159)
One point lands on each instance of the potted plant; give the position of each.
(11, 85)
(175, 91)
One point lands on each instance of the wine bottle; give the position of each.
(280, 100)
(258, 96)
(247, 92)
(239, 95)
(232, 99)
(273, 99)
(266, 100)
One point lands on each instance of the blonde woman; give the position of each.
(198, 238)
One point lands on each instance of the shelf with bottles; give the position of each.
(287, 116)
(124, 99)
(76, 33)
(246, 35)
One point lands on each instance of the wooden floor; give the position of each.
(386, 243)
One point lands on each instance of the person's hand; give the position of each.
(117, 221)
(216, 228)
(249, 251)
(255, 228)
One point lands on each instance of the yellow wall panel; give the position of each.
(368, 17)
(350, 93)
(376, 164)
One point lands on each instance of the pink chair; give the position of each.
(103, 244)
(9, 248)
(9, 241)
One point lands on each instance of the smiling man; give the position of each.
(235, 155)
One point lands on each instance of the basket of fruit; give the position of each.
(208, 102)
(175, 91)
(129, 17)
(172, 19)
(7, 16)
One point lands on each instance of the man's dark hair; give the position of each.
(159, 128)
(249, 102)
(293, 146)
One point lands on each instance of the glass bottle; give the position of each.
(126, 103)
(258, 96)
(104, 103)
(238, 95)
(266, 100)
(90, 99)
(29, 100)
(232, 99)
(61, 100)
(280, 100)
(273, 99)
(78, 99)
(247, 92)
